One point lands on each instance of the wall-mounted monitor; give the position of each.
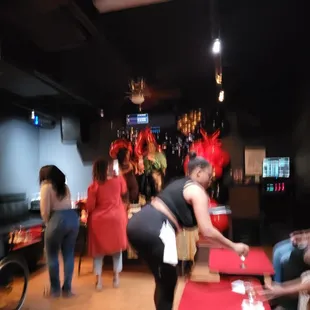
(276, 167)
(137, 119)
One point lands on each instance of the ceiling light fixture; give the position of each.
(221, 96)
(137, 99)
(216, 48)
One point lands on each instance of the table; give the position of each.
(227, 262)
(201, 296)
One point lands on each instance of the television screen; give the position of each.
(137, 119)
(276, 167)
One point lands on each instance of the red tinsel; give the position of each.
(210, 147)
(145, 137)
(119, 144)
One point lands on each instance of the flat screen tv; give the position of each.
(137, 119)
(276, 167)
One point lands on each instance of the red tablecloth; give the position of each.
(226, 261)
(202, 296)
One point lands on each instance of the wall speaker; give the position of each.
(70, 130)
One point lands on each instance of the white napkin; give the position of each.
(238, 287)
(168, 237)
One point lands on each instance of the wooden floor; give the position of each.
(135, 292)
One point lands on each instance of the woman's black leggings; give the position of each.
(143, 234)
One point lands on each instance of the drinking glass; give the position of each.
(242, 258)
(250, 291)
(251, 303)
(256, 305)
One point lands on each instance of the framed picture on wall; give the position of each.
(253, 160)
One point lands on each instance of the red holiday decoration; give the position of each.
(219, 221)
(211, 149)
(144, 138)
(119, 144)
(217, 171)
(212, 203)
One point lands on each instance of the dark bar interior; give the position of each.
(80, 80)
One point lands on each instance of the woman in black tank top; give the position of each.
(183, 203)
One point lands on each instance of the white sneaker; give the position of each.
(116, 281)
(99, 286)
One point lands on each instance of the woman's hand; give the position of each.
(307, 256)
(241, 249)
(296, 238)
(272, 291)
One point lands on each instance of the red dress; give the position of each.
(107, 219)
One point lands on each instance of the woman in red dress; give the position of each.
(107, 220)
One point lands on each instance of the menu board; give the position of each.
(137, 119)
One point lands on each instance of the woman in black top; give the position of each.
(183, 203)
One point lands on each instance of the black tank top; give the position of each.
(172, 196)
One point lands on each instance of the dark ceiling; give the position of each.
(91, 56)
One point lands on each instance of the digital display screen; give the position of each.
(137, 119)
(276, 167)
(155, 130)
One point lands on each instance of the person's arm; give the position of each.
(91, 197)
(307, 257)
(296, 288)
(197, 197)
(45, 202)
(293, 287)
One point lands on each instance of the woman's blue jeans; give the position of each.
(60, 235)
(281, 254)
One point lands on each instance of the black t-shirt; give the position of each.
(172, 196)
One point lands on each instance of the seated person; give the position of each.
(283, 249)
(287, 292)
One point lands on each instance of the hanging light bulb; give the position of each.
(216, 49)
(218, 78)
(137, 99)
(221, 96)
(101, 113)
(33, 114)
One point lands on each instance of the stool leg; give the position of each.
(83, 251)
(80, 262)
(183, 268)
